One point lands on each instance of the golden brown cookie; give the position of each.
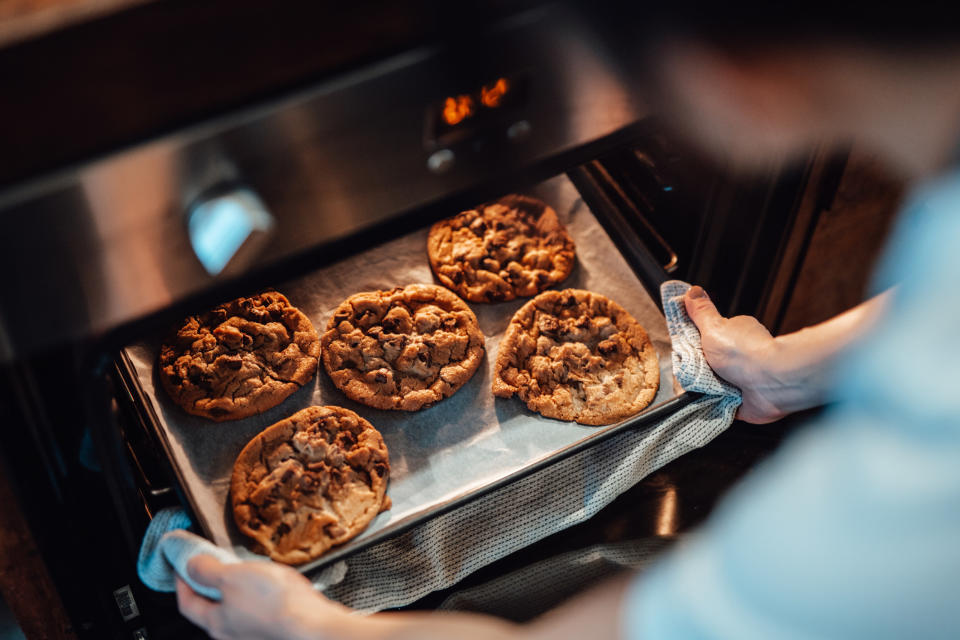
(512, 247)
(309, 482)
(240, 358)
(402, 349)
(577, 355)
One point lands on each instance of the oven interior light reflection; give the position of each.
(218, 226)
(667, 515)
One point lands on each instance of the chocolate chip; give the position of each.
(232, 362)
(607, 347)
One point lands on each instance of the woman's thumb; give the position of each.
(206, 570)
(701, 309)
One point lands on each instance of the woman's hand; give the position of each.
(740, 350)
(261, 600)
(777, 375)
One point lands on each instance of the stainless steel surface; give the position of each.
(107, 243)
(440, 455)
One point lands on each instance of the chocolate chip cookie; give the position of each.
(577, 355)
(309, 482)
(240, 358)
(402, 349)
(513, 247)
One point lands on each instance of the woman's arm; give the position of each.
(272, 602)
(777, 375)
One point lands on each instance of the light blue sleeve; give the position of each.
(852, 530)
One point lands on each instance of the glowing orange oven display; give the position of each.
(456, 109)
(492, 95)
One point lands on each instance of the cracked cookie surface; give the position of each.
(406, 348)
(309, 482)
(577, 355)
(240, 358)
(512, 247)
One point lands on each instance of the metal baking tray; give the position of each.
(441, 457)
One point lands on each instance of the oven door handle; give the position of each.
(149, 484)
(668, 255)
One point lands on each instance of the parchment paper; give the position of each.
(462, 443)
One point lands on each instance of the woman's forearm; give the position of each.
(799, 363)
(594, 615)
(408, 626)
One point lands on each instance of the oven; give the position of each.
(114, 248)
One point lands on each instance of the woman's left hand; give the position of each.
(262, 600)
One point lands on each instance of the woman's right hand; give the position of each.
(778, 375)
(740, 350)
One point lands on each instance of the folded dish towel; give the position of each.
(167, 547)
(689, 364)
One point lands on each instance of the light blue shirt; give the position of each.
(852, 530)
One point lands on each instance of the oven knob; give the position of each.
(441, 161)
(518, 130)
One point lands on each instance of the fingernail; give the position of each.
(697, 291)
